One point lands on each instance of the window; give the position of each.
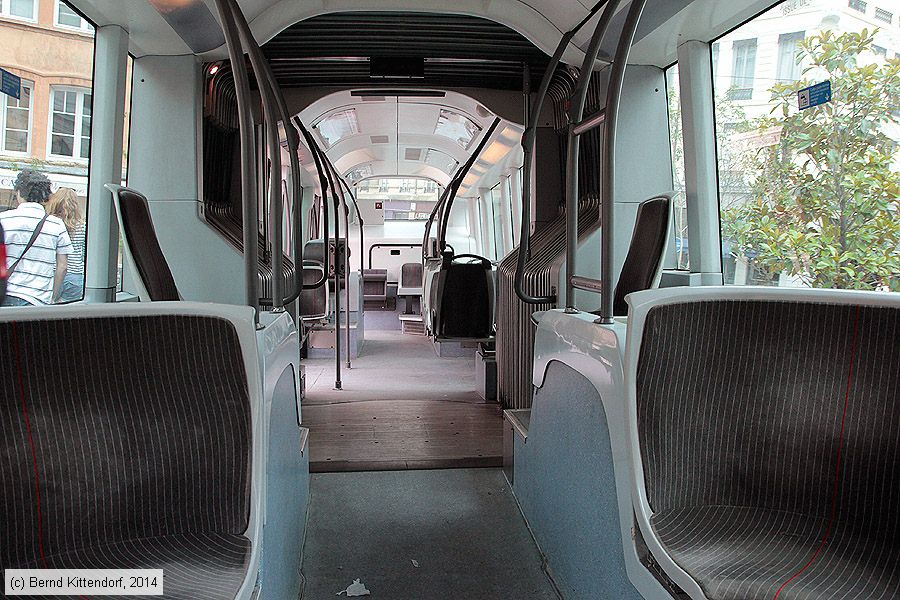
(859, 5)
(15, 121)
(19, 9)
(884, 15)
(808, 197)
(715, 59)
(70, 127)
(676, 137)
(788, 66)
(743, 69)
(337, 126)
(879, 50)
(67, 18)
(459, 128)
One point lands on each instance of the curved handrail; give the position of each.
(434, 213)
(362, 238)
(442, 238)
(273, 139)
(529, 141)
(323, 183)
(573, 152)
(250, 209)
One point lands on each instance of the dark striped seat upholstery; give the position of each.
(126, 443)
(754, 489)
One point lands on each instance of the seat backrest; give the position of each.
(740, 401)
(142, 246)
(136, 426)
(314, 302)
(465, 299)
(643, 263)
(411, 275)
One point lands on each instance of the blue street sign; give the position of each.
(10, 84)
(814, 95)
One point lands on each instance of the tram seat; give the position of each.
(314, 303)
(410, 280)
(141, 421)
(463, 298)
(375, 286)
(154, 280)
(766, 430)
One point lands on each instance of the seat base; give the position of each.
(196, 566)
(738, 553)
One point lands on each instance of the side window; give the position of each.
(676, 137)
(809, 196)
(46, 132)
(16, 121)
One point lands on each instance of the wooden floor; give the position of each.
(402, 407)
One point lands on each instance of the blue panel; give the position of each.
(814, 95)
(10, 84)
(565, 484)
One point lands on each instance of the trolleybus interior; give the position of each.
(498, 299)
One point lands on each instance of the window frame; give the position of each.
(3, 117)
(6, 12)
(885, 16)
(736, 92)
(858, 5)
(79, 122)
(85, 27)
(781, 63)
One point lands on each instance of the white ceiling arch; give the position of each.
(396, 134)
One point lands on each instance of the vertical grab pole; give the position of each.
(337, 282)
(248, 157)
(346, 262)
(273, 139)
(323, 183)
(529, 140)
(573, 150)
(613, 99)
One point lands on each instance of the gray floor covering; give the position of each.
(461, 526)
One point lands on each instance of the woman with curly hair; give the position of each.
(37, 244)
(64, 204)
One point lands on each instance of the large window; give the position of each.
(809, 197)
(743, 69)
(15, 121)
(676, 137)
(19, 9)
(70, 134)
(788, 51)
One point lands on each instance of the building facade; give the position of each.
(48, 128)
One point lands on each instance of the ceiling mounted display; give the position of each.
(459, 128)
(337, 126)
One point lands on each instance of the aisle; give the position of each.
(461, 527)
(402, 407)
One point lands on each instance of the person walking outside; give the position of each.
(64, 204)
(37, 244)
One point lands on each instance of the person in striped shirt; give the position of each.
(38, 278)
(63, 203)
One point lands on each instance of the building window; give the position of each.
(19, 9)
(788, 45)
(70, 128)
(884, 15)
(879, 50)
(743, 69)
(67, 18)
(15, 121)
(859, 5)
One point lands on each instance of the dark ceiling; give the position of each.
(459, 51)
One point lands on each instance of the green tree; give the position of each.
(825, 203)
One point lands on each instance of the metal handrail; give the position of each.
(248, 156)
(529, 140)
(614, 96)
(442, 238)
(273, 139)
(323, 183)
(362, 234)
(434, 213)
(337, 284)
(573, 151)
